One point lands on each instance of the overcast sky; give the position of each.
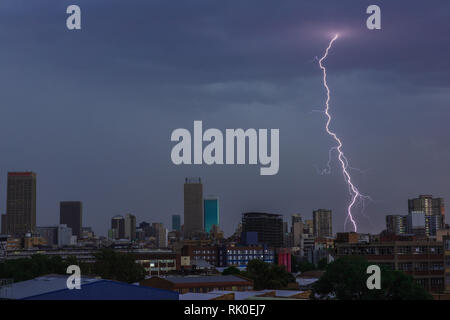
(92, 111)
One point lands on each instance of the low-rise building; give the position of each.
(423, 260)
(199, 284)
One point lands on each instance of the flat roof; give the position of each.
(205, 279)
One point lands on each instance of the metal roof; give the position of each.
(54, 287)
(39, 285)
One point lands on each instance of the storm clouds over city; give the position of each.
(92, 111)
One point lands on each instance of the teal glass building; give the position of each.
(211, 213)
(176, 222)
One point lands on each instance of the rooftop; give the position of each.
(205, 279)
(53, 287)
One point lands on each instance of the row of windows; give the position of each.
(421, 266)
(419, 249)
(266, 251)
(432, 282)
(245, 257)
(390, 250)
(204, 251)
(245, 262)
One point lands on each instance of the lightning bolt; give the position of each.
(353, 190)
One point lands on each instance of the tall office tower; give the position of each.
(308, 227)
(296, 230)
(3, 222)
(146, 228)
(130, 226)
(211, 211)
(322, 223)
(117, 227)
(396, 224)
(176, 222)
(20, 203)
(430, 206)
(193, 207)
(160, 234)
(268, 226)
(71, 214)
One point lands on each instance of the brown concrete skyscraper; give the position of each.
(322, 223)
(193, 207)
(71, 214)
(20, 215)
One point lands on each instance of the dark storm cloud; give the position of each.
(92, 111)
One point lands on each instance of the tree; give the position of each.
(267, 276)
(322, 264)
(118, 266)
(345, 279)
(29, 268)
(304, 266)
(231, 270)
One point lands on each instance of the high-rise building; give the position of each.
(71, 214)
(396, 224)
(3, 222)
(20, 215)
(176, 222)
(308, 227)
(130, 226)
(160, 234)
(427, 204)
(146, 228)
(430, 206)
(433, 223)
(268, 226)
(296, 230)
(211, 211)
(193, 207)
(322, 223)
(117, 227)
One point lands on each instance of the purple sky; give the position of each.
(92, 111)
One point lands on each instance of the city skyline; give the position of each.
(100, 104)
(286, 217)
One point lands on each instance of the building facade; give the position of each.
(20, 217)
(430, 207)
(297, 227)
(322, 223)
(130, 226)
(58, 236)
(193, 207)
(117, 227)
(396, 224)
(176, 222)
(71, 214)
(423, 260)
(268, 226)
(211, 213)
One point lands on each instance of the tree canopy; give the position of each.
(108, 265)
(29, 268)
(346, 277)
(267, 275)
(113, 265)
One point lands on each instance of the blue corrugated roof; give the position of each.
(108, 290)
